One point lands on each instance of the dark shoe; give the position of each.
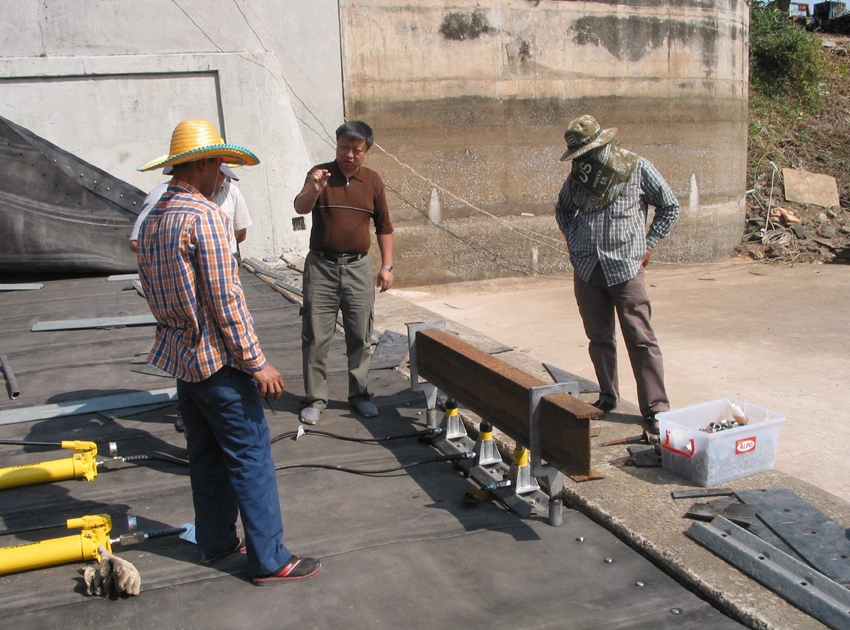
(650, 424)
(238, 548)
(604, 405)
(297, 568)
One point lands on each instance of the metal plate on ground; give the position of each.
(814, 593)
(730, 508)
(822, 542)
(562, 376)
(391, 351)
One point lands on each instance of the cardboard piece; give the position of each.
(804, 187)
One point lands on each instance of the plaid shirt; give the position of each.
(191, 282)
(615, 236)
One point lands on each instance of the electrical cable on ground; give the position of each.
(404, 436)
(381, 471)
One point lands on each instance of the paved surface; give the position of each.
(400, 549)
(774, 335)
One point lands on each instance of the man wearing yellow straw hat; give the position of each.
(205, 338)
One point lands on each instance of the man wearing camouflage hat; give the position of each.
(602, 212)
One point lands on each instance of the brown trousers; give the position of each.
(597, 304)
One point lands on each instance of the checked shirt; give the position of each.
(192, 287)
(615, 236)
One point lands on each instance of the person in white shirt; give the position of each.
(227, 197)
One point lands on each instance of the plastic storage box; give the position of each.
(710, 459)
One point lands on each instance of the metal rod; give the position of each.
(38, 528)
(11, 382)
(27, 443)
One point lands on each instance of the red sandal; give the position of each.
(297, 568)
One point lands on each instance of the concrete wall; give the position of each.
(470, 100)
(110, 80)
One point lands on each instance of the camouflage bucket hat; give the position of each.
(585, 134)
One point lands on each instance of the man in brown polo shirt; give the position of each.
(344, 197)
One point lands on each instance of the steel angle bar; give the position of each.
(139, 288)
(260, 267)
(21, 287)
(562, 376)
(99, 322)
(91, 405)
(122, 277)
(283, 284)
(814, 536)
(284, 278)
(811, 591)
(9, 375)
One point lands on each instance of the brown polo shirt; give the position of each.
(344, 209)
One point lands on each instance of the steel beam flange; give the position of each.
(806, 588)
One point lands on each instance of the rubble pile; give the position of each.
(785, 227)
(785, 231)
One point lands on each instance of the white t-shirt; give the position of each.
(228, 198)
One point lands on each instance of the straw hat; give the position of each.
(585, 134)
(195, 140)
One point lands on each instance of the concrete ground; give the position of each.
(773, 335)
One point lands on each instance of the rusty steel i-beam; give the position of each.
(500, 394)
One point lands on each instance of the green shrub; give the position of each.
(785, 60)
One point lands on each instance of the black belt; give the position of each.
(340, 259)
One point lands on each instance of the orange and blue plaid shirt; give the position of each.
(191, 282)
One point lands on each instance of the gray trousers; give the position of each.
(328, 289)
(597, 304)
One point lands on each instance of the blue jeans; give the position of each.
(231, 469)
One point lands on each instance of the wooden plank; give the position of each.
(500, 394)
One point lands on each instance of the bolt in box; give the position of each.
(710, 459)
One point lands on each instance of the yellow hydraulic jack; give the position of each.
(80, 547)
(81, 464)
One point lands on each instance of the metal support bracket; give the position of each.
(555, 477)
(452, 423)
(416, 385)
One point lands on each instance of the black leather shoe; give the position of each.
(604, 405)
(650, 423)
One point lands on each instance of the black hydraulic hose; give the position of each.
(162, 457)
(345, 438)
(162, 533)
(11, 381)
(382, 471)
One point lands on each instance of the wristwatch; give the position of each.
(387, 267)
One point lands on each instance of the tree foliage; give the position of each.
(785, 59)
